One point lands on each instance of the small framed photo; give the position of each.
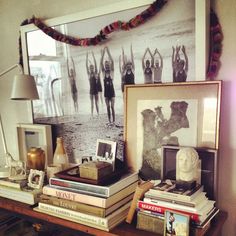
(35, 135)
(176, 224)
(36, 179)
(106, 151)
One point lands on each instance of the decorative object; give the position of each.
(48, 62)
(163, 114)
(208, 170)
(95, 170)
(37, 136)
(36, 179)
(106, 151)
(52, 170)
(60, 157)
(36, 158)
(176, 223)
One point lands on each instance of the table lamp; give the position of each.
(24, 88)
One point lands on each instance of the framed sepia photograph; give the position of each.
(208, 168)
(180, 114)
(106, 151)
(61, 70)
(176, 223)
(35, 135)
(36, 178)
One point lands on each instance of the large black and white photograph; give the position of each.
(162, 122)
(81, 89)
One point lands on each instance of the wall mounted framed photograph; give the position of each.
(36, 178)
(185, 114)
(35, 135)
(209, 167)
(106, 151)
(176, 223)
(52, 61)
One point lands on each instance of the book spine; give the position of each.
(74, 215)
(138, 194)
(171, 205)
(77, 197)
(79, 187)
(72, 205)
(161, 209)
(155, 199)
(10, 184)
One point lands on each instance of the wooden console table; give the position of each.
(123, 229)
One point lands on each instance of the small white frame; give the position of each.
(106, 151)
(35, 135)
(36, 178)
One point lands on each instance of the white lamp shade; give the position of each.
(24, 88)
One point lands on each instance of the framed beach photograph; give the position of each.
(208, 169)
(176, 223)
(36, 178)
(106, 151)
(62, 71)
(35, 135)
(180, 114)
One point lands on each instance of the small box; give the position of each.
(95, 170)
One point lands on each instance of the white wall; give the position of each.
(227, 175)
(13, 12)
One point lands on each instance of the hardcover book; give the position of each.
(170, 191)
(84, 208)
(89, 199)
(104, 223)
(26, 195)
(96, 190)
(13, 183)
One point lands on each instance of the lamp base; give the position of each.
(4, 172)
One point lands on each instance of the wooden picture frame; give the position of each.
(33, 63)
(209, 167)
(185, 114)
(36, 179)
(176, 223)
(35, 135)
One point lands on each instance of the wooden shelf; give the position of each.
(122, 229)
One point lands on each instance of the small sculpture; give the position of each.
(187, 167)
(17, 168)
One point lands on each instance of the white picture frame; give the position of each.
(35, 135)
(36, 179)
(106, 151)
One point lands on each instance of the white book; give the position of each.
(96, 190)
(89, 199)
(197, 209)
(26, 195)
(82, 218)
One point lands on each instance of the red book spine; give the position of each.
(161, 210)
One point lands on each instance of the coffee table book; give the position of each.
(89, 199)
(13, 183)
(103, 223)
(84, 208)
(96, 190)
(170, 191)
(26, 195)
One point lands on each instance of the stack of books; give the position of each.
(98, 206)
(19, 191)
(165, 196)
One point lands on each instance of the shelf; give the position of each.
(122, 229)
